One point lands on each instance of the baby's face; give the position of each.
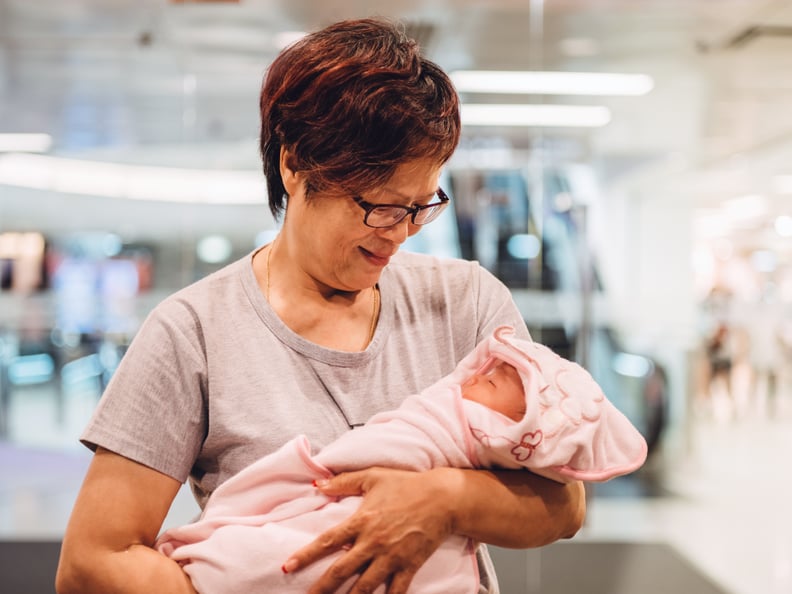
(500, 389)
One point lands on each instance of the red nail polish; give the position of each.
(313, 482)
(283, 568)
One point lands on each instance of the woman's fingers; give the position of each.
(402, 519)
(348, 566)
(345, 484)
(337, 538)
(369, 572)
(382, 572)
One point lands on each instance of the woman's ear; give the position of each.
(289, 175)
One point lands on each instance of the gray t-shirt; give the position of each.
(214, 379)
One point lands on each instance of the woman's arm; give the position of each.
(515, 508)
(115, 520)
(406, 515)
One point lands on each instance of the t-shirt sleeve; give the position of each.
(153, 410)
(496, 307)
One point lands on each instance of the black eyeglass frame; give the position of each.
(409, 211)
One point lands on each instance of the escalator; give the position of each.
(538, 248)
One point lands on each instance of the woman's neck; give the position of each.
(333, 318)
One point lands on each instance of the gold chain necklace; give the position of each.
(269, 253)
(374, 311)
(375, 300)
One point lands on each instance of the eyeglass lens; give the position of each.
(386, 216)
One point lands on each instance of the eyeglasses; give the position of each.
(387, 215)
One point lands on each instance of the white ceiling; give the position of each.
(155, 82)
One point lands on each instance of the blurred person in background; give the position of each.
(720, 354)
(766, 350)
(313, 334)
(723, 350)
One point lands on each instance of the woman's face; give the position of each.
(328, 239)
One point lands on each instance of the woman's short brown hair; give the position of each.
(351, 102)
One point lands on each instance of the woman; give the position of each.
(313, 334)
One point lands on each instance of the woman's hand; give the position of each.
(403, 517)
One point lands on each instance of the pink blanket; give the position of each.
(253, 521)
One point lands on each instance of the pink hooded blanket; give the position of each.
(256, 519)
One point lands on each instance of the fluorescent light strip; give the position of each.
(572, 116)
(134, 182)
(551, 83)
(25, 143)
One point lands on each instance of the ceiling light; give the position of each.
(631, 365)
(551, 83)
(14, 245)
(25, 143)
(745, 209)
(135, 182)
(214, 249)
(523, 246)
(782, 184)
(764, 260)
(783, 226)
(535, 115)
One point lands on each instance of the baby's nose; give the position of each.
(471, 381)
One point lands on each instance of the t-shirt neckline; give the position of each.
(305, 347)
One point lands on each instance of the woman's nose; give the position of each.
(399, 232)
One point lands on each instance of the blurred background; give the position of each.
(624, 168)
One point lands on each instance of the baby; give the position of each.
(510, 403)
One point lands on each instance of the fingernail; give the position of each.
(289, 566)
(320, 483)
